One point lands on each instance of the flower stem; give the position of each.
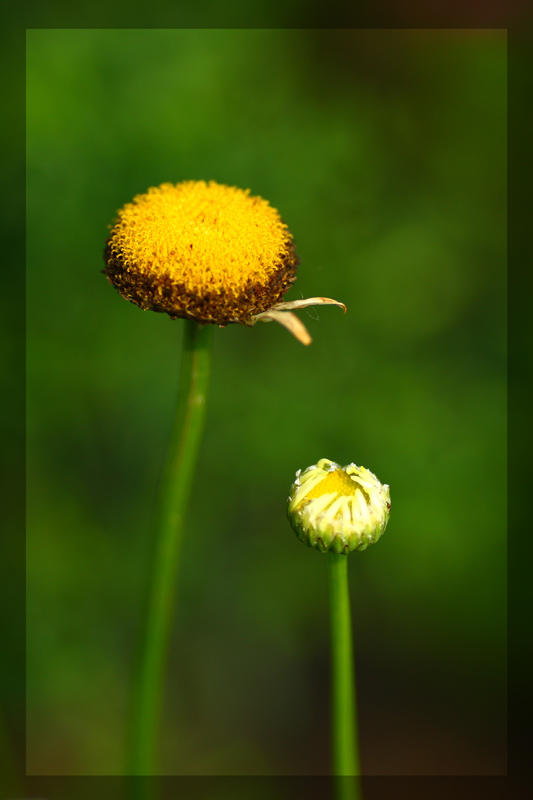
(170, 512)
(343, 707)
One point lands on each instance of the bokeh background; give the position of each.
(385, 152)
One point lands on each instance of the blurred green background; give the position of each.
(385, 152)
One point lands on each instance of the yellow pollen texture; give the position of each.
(209, 237)
(337, 481)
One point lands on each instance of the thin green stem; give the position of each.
(170, 512)
(343, 706)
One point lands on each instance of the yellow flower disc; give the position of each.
(204, 251)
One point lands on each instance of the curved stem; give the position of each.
(343, 707)
(170, 511)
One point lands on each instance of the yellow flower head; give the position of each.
(338, 509)
(206, 252)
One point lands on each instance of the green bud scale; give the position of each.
(338, 509)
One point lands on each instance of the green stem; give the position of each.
(170, 512)
(343, 707)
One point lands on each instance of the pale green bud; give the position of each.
(336, 508)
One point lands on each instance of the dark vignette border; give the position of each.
(17, 17)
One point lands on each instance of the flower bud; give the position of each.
(338, 509)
